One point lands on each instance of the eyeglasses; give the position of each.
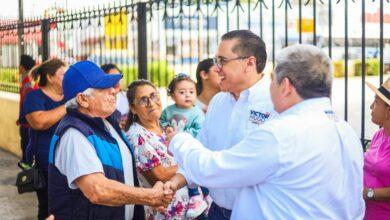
(220, 61)
(145, 100)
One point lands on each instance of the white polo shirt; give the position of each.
(228, 121)
(303, 164)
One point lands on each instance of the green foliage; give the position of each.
(338, 68)
(9, 79)
(372, 67)
(130, 73)
(9, 75)
(159, 73)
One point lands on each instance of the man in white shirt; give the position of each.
(305, 163)
(244, 104)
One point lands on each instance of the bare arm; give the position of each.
(176, 182)
(103, 191)
(160, 173)
(42, 120)
(380, 194)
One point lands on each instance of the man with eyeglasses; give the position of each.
(92, 172)
(244, 105)
(305, 163)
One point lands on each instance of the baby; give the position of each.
(185, 116)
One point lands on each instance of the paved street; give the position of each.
(13, 205)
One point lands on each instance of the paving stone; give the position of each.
(12, 205)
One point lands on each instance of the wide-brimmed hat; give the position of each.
(383, 91)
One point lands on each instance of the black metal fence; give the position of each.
(159, 38)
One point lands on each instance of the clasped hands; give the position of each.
(163, 195)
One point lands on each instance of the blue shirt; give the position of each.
(180, 119)
(40, 140)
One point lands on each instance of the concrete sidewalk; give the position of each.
(13, 205)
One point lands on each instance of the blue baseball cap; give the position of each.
(84, 75)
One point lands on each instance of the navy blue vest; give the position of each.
(66, 203)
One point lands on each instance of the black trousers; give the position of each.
(23, 131)
(219, 213)
(43, 203)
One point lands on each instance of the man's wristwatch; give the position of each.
(370, 193)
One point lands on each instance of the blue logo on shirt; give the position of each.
(258, 117)
(332, 115)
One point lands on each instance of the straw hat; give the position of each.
(383, 91)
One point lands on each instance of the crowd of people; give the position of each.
(235, 144)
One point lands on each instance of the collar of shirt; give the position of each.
(308, 105)
(255, 92)
(259, 90)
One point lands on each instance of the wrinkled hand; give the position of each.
(160, 198)
(170, 188)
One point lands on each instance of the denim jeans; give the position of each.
(43, 203)
(219, 213)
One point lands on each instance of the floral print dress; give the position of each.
(150, 152)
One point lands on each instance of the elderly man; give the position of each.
(244, 104)
(91, 164)
(303, 164)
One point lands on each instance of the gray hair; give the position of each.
(308, 68)
(73, 104)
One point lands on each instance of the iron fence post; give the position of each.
(142, 41)
(45, 29)
(20, 28)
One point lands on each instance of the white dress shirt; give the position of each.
(303, 164)
(228, 121)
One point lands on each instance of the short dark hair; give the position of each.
(48, 67)
(178, 78)
(249, 44)
(27, 62)
(131, 91)
(109, 66)
(203, 65)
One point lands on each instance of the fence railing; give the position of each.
(157, 39)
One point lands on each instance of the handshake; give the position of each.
(162, 195)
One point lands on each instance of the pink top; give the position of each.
(377, 174)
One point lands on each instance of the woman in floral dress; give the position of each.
(153, 161)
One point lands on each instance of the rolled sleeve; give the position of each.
(257, 154)
(75, 157)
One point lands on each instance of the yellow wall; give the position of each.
(9, 131)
